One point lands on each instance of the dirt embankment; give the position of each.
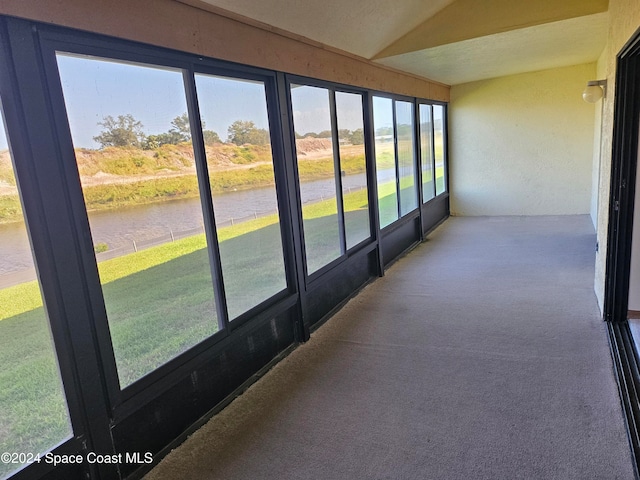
(115, 165)
(317, 148)
(312, 148)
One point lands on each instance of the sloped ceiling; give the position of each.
(448, 41)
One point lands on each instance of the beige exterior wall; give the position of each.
(624, 20)
(522, 144)
(172, 24)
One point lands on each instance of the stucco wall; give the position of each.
(624, 20)
(522, 144)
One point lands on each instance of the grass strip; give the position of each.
(26, 296)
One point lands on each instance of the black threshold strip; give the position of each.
(625, 363)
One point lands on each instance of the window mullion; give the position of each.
(337, 170)
(395, 154)
(211, 232)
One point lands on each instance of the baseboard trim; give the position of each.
(625, 365)
(633, 314)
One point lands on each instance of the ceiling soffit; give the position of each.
(569, 42)
(360, 27)
(467, 19)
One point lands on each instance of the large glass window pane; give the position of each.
(316, 168)
(353, 167)
(240, 163)
(426, 152)
(33, 409)
(406, 157)
(133, 148)
(385, 160)
(438, 139)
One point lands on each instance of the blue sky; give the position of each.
(95, 88)
(311, 109)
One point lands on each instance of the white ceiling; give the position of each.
(449, 41)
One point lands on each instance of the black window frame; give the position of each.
(412, 214)
(445, 147)
(58, 226)
(332, 88)
(52, 41)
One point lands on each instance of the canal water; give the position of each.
(126, 229)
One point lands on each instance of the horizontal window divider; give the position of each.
(318, 274)
(163, 376)
(436, 198)
(328, 274)
(175, 370)
(314, 82)
(366, 245)
(409, 217)
(269, 308)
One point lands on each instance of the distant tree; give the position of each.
(151, 142)
(168, 138)
(384, 131)
(241, 132)
(325, 134)
(179, 132)
(404, 130)
(124, 131)
(357, 137)
(210, 137)
(310, 135)
(344, 134)
(181, 128)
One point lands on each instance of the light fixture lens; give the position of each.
(592, 93)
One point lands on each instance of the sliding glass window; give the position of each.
(316, 160)
(240, 162)
(353, 167)
(395, 147)
(406, 157)
(33, 408)
(330, 153)
(439, 132)
(133, 149)
(426, 152)
(385, 139)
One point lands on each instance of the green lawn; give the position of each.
(149, 326)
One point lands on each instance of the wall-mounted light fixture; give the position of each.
(595, 90)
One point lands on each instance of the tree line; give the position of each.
(126, 131)
(354, 137)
